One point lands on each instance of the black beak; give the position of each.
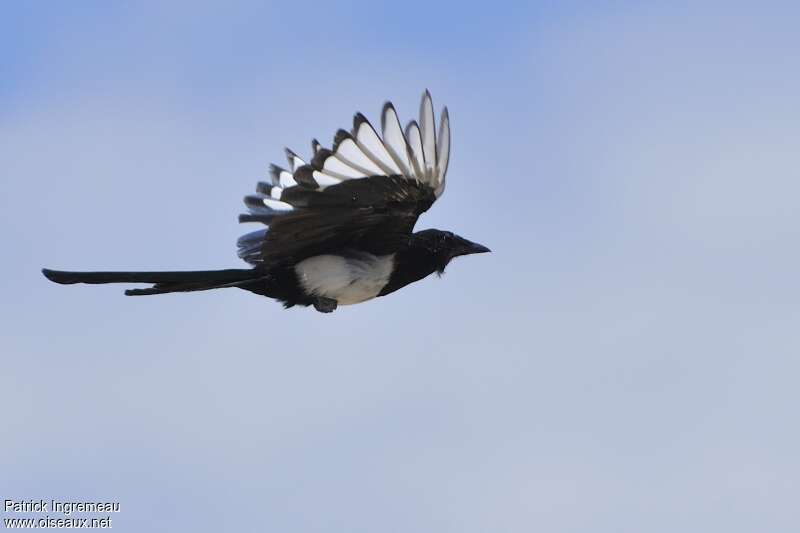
(468, 247)
(478, 249)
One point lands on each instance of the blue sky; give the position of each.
(625, 360)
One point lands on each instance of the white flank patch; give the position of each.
(348, 280)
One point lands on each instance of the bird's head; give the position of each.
(445, 245)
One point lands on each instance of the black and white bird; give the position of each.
(339, 228)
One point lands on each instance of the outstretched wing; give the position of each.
(366, 192)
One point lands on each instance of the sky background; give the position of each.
(625, 361)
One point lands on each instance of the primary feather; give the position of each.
(367, 190)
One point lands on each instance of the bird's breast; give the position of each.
(349, 279)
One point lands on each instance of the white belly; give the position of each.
(348, 280)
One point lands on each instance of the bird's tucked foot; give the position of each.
(325, 305)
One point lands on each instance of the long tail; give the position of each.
(163, 282)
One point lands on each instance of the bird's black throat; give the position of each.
(427, 251)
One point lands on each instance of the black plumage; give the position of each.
(339, 228)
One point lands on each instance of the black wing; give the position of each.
(366, 192)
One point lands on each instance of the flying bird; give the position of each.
(339, 229)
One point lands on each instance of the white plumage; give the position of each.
(418, 153)
(348, 280)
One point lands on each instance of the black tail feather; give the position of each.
(164, 288)
(164, 282)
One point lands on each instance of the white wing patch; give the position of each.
(348, 151)
(442, 152)
(348, 280)
(395, 140)
(324, 179)
(415, 149)
(277, 205)
(416, 153)
(294, 161)
(368, 141)
(427, 128)
(337, 168)
(281, 177)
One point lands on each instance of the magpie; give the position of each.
(339, 229)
